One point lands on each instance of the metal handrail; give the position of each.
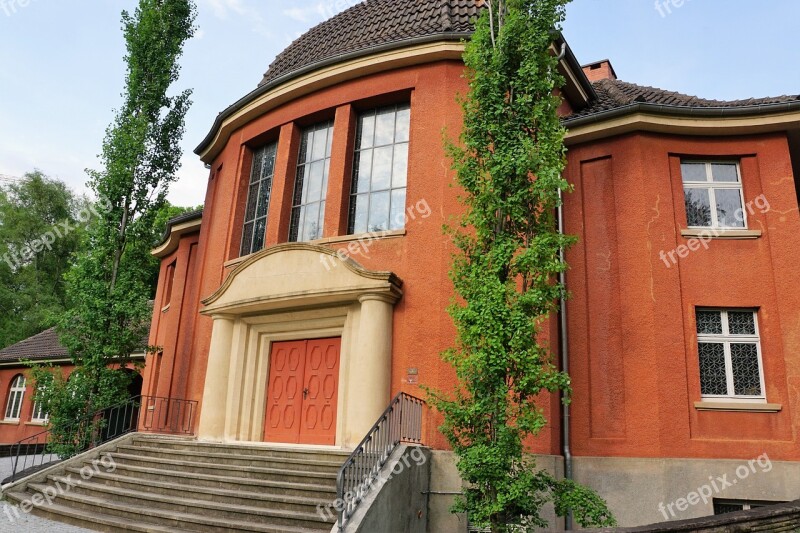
(141, 413)
(400, 422)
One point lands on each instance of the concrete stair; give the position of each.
(160, 484)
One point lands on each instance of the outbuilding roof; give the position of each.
(43, 346)
(613, 95)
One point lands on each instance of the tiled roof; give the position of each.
(45, 345)
(371, 24)
(615, 94)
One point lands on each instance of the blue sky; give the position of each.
(61, 68)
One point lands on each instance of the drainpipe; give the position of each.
(564, 345)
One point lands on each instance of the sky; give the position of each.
(62, 69)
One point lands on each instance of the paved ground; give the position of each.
(27, 523)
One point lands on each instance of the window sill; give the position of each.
(37, 423)
(716, 233)
(9, 422)
(378, 235)
(362, 237)
(751, 407)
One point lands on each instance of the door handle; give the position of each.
(305, 394)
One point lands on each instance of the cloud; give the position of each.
(224, 9)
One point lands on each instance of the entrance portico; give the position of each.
(297, 292)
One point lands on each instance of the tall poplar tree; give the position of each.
(509, 164)
(110, 284)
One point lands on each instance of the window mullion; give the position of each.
(729, 370)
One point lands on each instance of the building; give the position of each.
(22, 418)
(319, 265)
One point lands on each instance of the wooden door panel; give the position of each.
(322, 392)
(285, 392)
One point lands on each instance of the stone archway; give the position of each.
(297, 292)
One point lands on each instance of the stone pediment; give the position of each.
(298, 275)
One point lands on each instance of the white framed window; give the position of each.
(311, 183)
(380, 170)
(15, 396)
(258, 196)
(729, 349)
(39, 415)
(713, 194)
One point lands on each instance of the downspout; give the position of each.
(564, 349)
(564, 346)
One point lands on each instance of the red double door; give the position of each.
(302, 392)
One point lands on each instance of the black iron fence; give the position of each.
(400, 423)
(150, 414)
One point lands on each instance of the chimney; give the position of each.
(599, 70)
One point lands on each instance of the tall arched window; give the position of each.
(15, 395)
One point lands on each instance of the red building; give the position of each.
(320, 265)
(22, 417)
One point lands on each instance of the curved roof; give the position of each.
(374, 24)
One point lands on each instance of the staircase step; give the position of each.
(260, 461)
(88, 491)
(251, 472)
(219, 482)
(93, 520)
(108, 482)
(315, 453)
(180, 521)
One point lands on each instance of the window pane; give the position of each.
(693, 172)
(359, 214)
(398, 216)
(258, 166)
(366, 131)
(320, 144)
(252, 199)
(384, 127)
(269, 160)
(247, 238)
(263, 199)
(709, 322)
(379, 211)
(741, 323)
(724, 172)
(403, 124)
(746, 374)
(382, 169)
(729, 208)
(258, 238)
(313, 192)
(362, 172)
(712, 369)
(400, 166)
(698, 207)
